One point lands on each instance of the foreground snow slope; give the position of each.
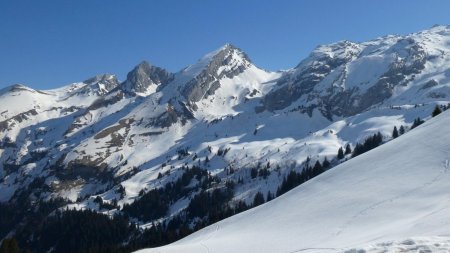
(397, 191)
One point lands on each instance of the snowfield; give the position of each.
(395, 198)
(106, 141)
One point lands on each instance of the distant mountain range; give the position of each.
(152, 145)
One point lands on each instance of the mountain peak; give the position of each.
(338, 49)
(16, 88)
(100, 84)
(144, 64)
(102, 78)
(227, 61)
(438, 27)
(19, 86)
(145, 78)
(222, 52)
(230, 48)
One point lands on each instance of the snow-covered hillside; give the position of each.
(105, 144)
(392, 193)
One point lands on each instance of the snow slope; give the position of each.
(394, 192)
(91, 138)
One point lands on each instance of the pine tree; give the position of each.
(340, 154)
(253, 172)
(317, 169)
(121, 191)
(308, 159)
(258, 199)
(401, 130)
(417, 122)
(437, 110)
(325, 163)
(394, 133)
(370, 143)
(378, 139)
(269, 196)
(348, 149)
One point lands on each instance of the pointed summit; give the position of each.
(228, 47)
(228, 50)
(225, 62)
(146, 78)
(219, 56)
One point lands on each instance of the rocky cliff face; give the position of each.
(146, 79)
(228, 62)
(303, 79)
(346, 78)
(101, 84)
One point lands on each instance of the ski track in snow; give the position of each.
(204, 246)
(202, 242)
(390, 200)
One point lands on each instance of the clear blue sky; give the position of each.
(49, 43)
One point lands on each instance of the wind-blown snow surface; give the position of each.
(394, 192)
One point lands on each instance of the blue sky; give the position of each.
(49, 43)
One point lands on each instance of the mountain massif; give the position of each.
(398, 203)
(177, 151)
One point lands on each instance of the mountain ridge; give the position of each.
(103, 144)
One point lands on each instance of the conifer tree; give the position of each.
(258, 199)
(379, 139)
(253, 172)
(340, 154)
(370, 143)
(317, 169)
(395, 133)
(269, 196)
(417, 122)
(437, 110)
(401, 130)
(348, 149)
(325, 163)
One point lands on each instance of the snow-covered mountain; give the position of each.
(399, 203)
(103, 139)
